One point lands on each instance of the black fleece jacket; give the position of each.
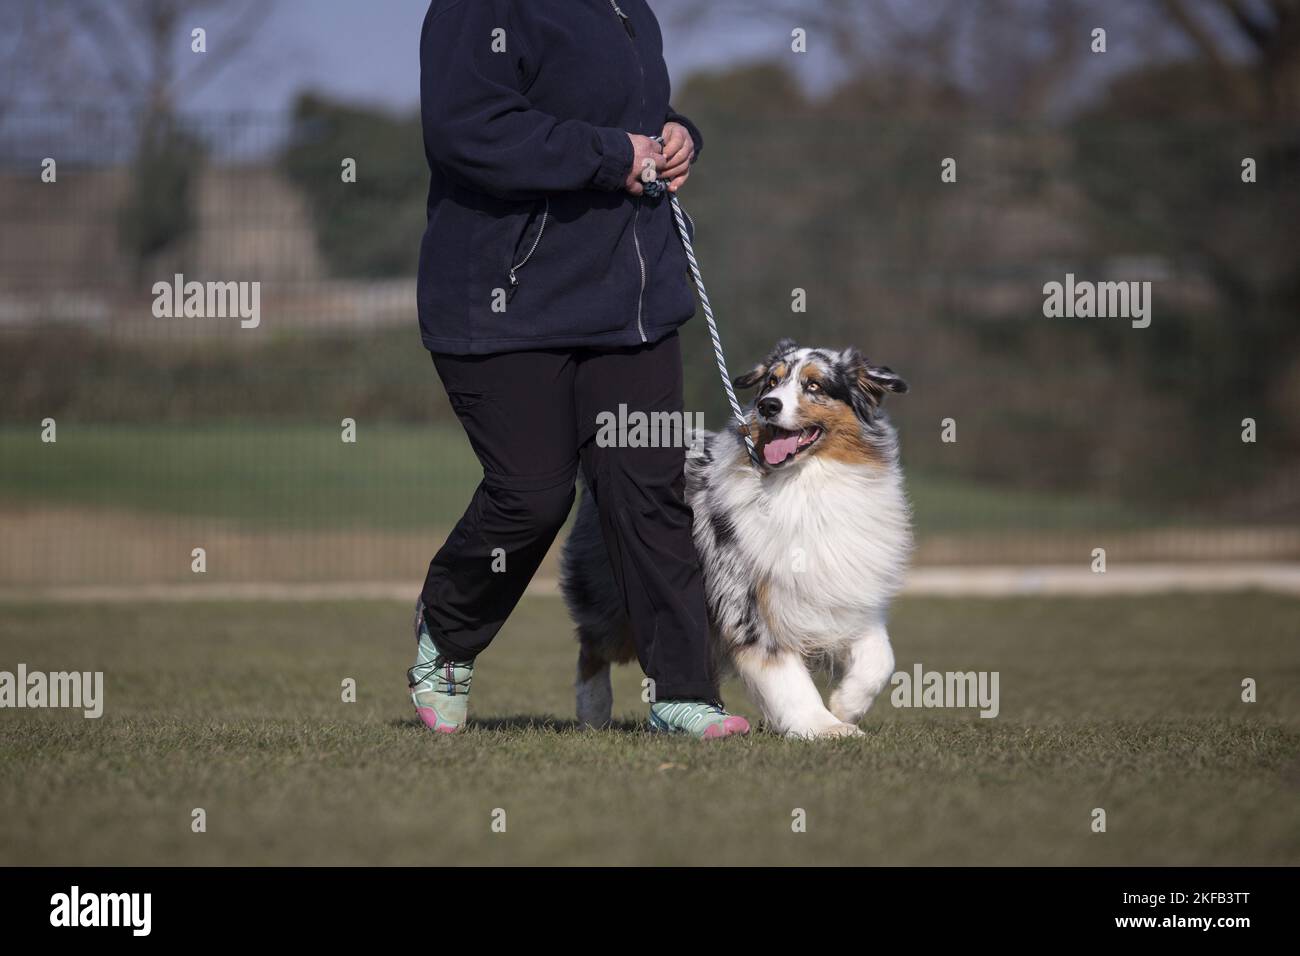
(532, 241)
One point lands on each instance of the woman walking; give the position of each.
(550, 290)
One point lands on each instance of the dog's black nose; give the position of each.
(769, 407)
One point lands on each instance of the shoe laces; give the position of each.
(446, 671)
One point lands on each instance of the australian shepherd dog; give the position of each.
(801, 555)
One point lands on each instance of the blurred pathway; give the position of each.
(954, 581)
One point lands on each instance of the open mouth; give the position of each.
(783, 445)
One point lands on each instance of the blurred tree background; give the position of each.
(1123, 165)
(367, 229)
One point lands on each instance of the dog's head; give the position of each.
(819, 402)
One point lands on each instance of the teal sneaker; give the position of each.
(439, 687)
(695, 717)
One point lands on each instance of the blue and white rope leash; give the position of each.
(657, 189)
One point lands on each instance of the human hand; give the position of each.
(679, 150)
(646, 155)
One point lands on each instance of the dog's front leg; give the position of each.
(785, 692)
(868, 665)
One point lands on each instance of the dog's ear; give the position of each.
(885, 377)
(758, 372)
(751, 378)
(869, 383)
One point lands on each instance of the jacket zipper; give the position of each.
(631, 34)
(627, 24)
(514, 280)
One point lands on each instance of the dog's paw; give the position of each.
(849, 708)
(844, 714)
(843, 729)
(837, 729)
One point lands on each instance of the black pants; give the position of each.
(531, 418)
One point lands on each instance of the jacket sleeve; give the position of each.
(481, 130)
(676, 117)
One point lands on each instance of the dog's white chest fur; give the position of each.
(823, 548)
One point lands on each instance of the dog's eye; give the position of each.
(813, 386)
(771, 382)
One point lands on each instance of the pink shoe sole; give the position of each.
(731, 727)
(431, 720)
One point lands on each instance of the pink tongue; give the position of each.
(778, 449)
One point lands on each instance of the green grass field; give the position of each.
(395, 476)
(1129, 704)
